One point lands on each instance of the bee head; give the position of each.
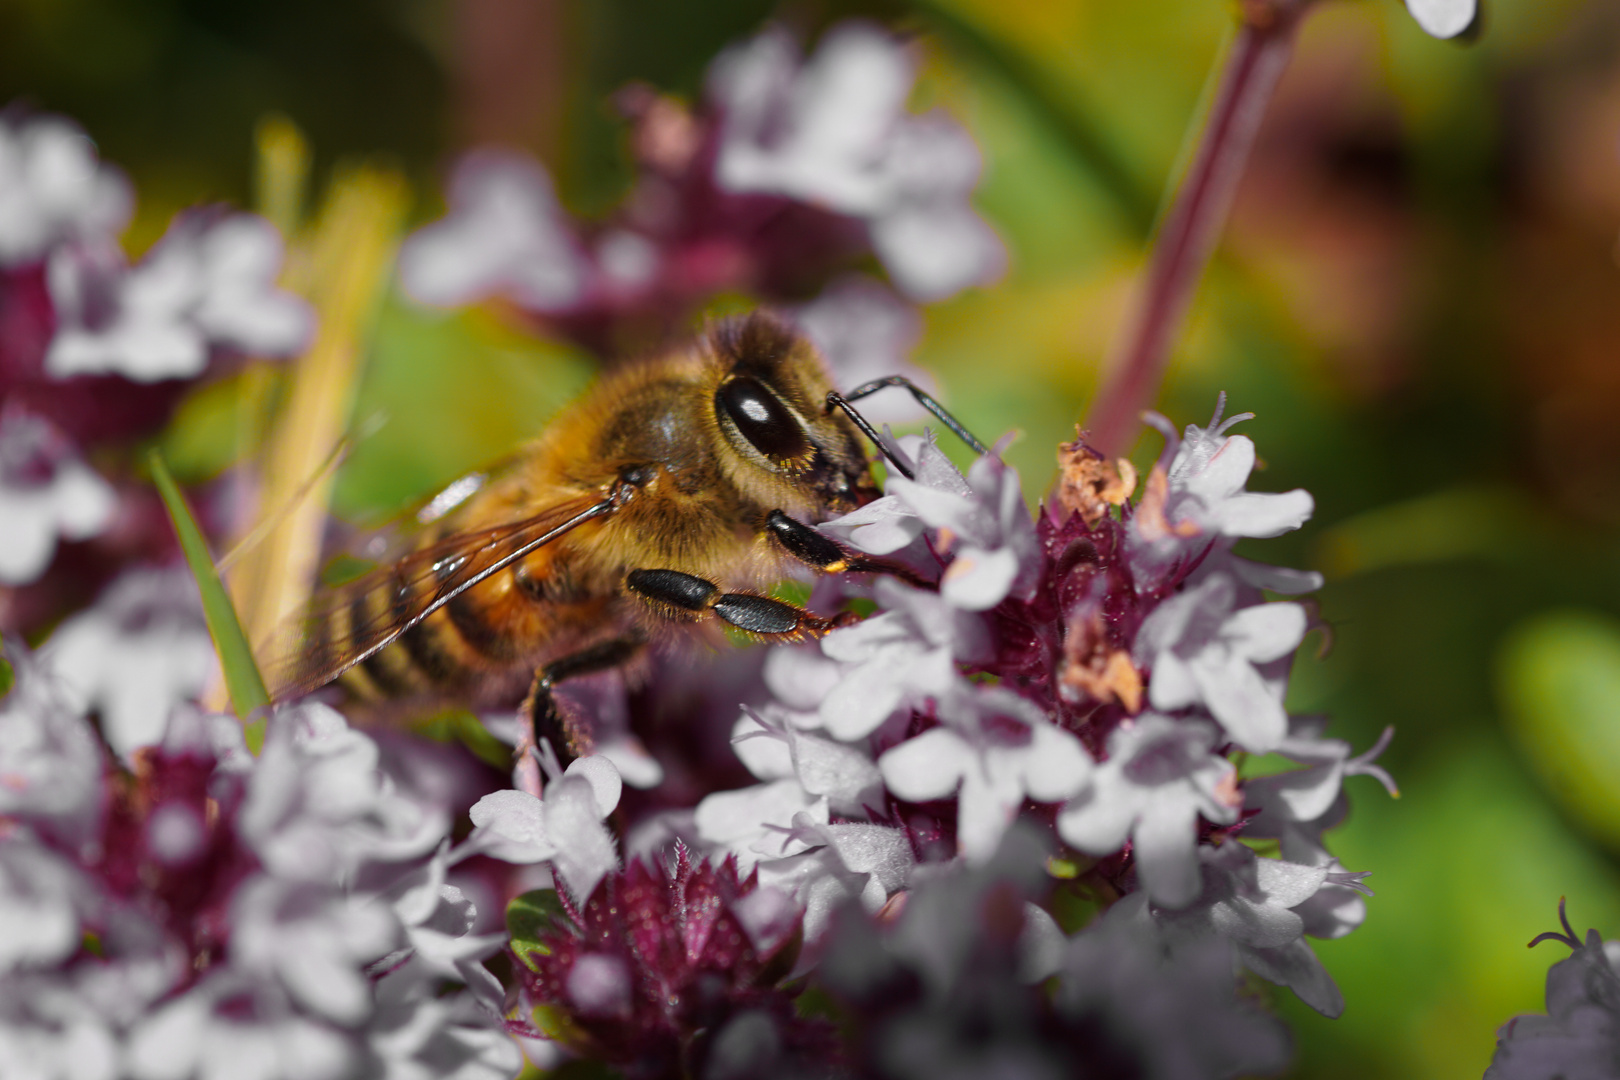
(770, 405)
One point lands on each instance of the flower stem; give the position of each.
(1186, 237)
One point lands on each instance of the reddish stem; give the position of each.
(1186, 237)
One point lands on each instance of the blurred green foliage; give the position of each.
(1417, 295)
(1559, 678)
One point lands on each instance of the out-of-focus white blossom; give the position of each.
(313, 940)
(46, 493)
(49, 1032)
(50, 763)
(833, 131)
(232, 1025)
(318, 807)
(504, 235)
(307, 971)
(1249, 902)
(42, 897)
(1444, 18)
(53, 189)
(438, 919)
(207, 283)
(139, 651)
(1179, 1013)
(1579, 1037)
(865, 332)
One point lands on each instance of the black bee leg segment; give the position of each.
(817, 550)
(681, 595)
(547, 721)
(835, 400)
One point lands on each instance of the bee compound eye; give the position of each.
(762, 419)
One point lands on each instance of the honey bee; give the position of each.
(674, 492)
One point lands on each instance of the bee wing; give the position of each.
(343, 626)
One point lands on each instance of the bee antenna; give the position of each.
(835, 400)
(923, 399)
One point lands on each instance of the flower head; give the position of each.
(206, 284)
(835, 132)
(505, 235)
(659, 960)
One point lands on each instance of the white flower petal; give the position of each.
(1095, 824)
(1240, 699)
(1055, 766)
(509, 826)
(930, 766)
(978, 580)
(1265, 632)
(600, 773)
(585, 853)
(1165, 841)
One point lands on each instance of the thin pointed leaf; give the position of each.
(242, 678)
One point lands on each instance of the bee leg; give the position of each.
(683, 596)
(567, 733)
(816, 550)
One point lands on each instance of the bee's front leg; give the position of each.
(568, 735)
(820, 552)
(684, 596)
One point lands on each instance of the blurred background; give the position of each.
(1418, 294)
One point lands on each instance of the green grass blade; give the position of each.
(242, 678)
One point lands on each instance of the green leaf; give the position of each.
(8, 678)
(242, 678)
(1560, 690)
(530, 919)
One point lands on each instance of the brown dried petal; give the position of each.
(1090, 484)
